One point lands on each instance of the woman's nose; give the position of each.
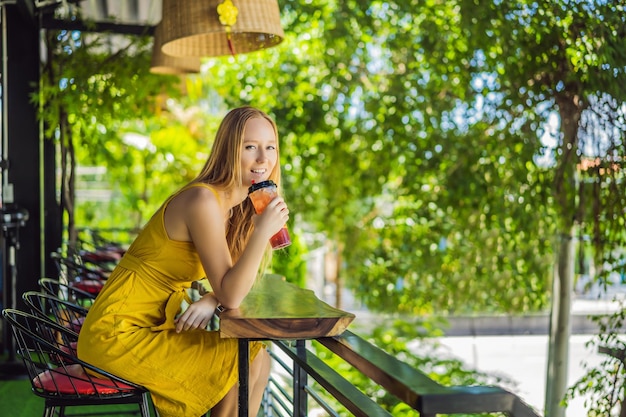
(261, 156)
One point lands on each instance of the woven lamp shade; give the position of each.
(193, 27)
(166, 64)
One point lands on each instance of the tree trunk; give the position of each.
(68, 180)
(565, 193)
(560, 327)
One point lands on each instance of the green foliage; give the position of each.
(170, 152)
(290, 262)
(407, 137)
(602, 386)
(97, 87)
(566, 55)
(381, 154)
(105, 109)
(92, 85)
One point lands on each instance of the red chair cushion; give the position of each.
(92, 286)
(71, 380)
(76, 324)
(71, 349)
(102, 256)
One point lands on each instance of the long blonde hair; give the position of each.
(223, 171)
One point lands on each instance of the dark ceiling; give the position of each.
(117, 16)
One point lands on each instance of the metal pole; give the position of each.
(11, 368)
(300, 382)
(6, 300)
(5, 113)
(5, 194)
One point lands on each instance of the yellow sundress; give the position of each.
(129, 330)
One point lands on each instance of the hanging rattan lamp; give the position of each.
(204, 28)
(166, 64)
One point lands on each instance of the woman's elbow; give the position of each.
(230, 304)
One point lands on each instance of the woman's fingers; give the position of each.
(274, 217)
(191, 320)
(279, 205)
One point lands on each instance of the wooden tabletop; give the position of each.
(277, 309)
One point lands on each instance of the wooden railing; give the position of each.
(408, 384)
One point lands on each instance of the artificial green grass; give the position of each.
(17, 398)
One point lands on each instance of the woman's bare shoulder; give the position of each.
(201, 195)
(191, 208)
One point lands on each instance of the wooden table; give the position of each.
(278, 310)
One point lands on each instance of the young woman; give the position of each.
(207, 229)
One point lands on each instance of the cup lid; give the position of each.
(262, 184)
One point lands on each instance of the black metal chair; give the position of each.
(74, 269)
(102, 260)
(66, 291)
(64, 312)
(56, 373)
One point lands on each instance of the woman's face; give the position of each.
(260, 151)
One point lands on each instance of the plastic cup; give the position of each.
(261, 194)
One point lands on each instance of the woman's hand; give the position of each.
(198, 315)
(273, 218)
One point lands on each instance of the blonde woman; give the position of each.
(206, 229)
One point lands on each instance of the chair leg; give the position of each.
(48, 411)
(145, 405)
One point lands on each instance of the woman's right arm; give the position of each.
(230, 281)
